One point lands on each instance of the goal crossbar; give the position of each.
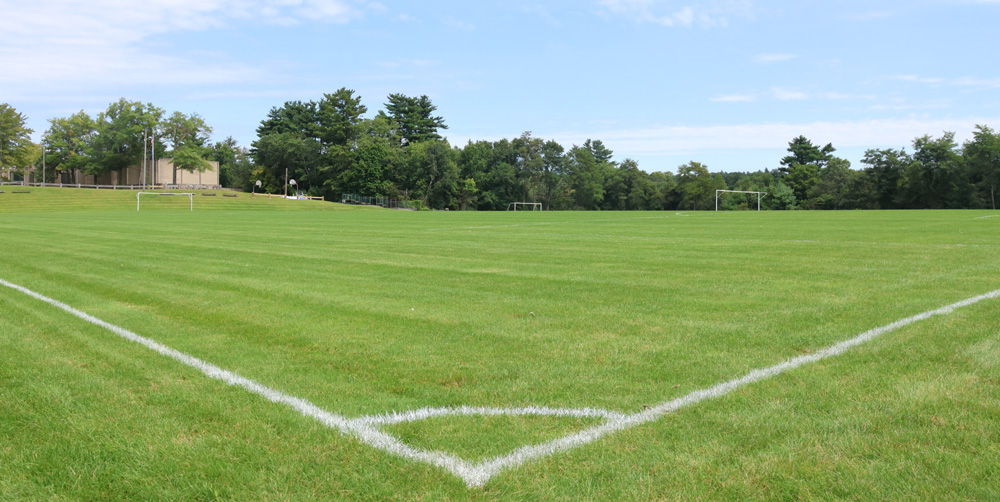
(190, 197)
(717, 192)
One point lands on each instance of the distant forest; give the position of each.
(330, 148)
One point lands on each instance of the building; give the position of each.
(165, 175)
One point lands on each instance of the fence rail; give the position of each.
(114, 187)
(367, 200)
(151, 187)
(280, 196)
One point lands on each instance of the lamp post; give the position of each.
(152, 150)
(253, 191)
(294, 184)
(43, 159)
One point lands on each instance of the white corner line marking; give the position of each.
(365, 428)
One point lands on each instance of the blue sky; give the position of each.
(724, 82)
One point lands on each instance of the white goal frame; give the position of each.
(759, 195)
(535, 206)
(190, 196)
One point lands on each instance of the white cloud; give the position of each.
(773, 58)
(704, 13)
(871, 16)
(458, 24)
(543, 13)
(879, 133)
(972, 82)
(735, 98)
(401, 63)
(917, 78)
(785, 94)
(70, 43)
(335, 11)
(985, 83)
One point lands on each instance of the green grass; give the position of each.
(363, 311)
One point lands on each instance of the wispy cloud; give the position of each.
(968, 81)
(458, 24)
(773, 58)
(785, 94)
(874, 15)
(735, 98)
(780, 94)
(849, 133)
(411, 63)
(543, 13)
(51, 41)
(706, 14)
(917, 78)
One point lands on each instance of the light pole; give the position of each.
(43, 159)
(294, 184)
(253, 191)
(152, 149)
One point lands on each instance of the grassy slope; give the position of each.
(366, 311)
(57, 200)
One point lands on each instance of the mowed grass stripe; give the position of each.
(444, 315)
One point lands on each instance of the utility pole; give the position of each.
(286, 182)
(43, 160)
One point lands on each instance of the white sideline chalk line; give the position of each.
(478, 474)
(985, 217)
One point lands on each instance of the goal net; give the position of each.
(190, 198)
(720, 192)
(524, 206)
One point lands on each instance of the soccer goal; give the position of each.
(521, 206)
(190, 196)
(717, 192)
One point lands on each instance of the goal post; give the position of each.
(717, 192)
(534, 206)
(190, 197)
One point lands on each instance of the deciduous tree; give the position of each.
(188, 136)
(982, 154)
(118, 139)
(15, 138)
(68, 141)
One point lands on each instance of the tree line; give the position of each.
(330, 147)
(112, 140)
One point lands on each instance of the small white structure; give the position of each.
(759, 195)
(190, 196)
(534, 206)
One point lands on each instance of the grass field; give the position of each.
(365, 311)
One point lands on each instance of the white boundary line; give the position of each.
(478, 474)
(987, 217)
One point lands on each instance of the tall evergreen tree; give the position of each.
(415, 117)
